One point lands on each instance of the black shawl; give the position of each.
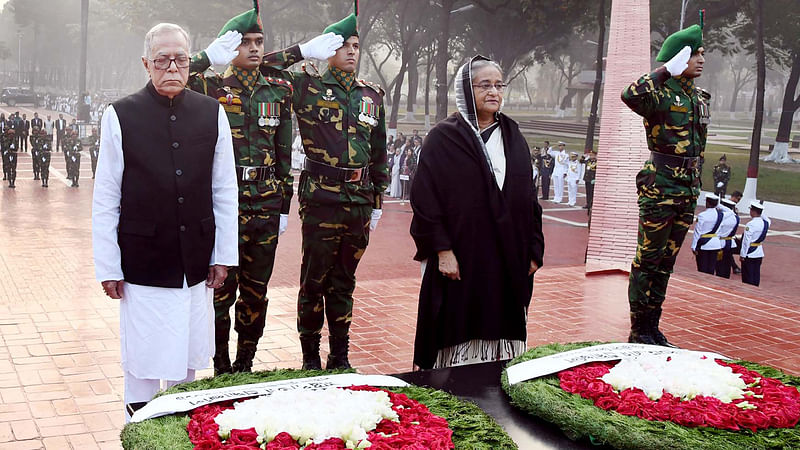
(494, 234)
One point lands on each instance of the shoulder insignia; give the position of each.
(374, 86)
(310, 69)
(704, 94)
(281, 82)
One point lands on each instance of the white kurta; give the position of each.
(163, 331)
(396, 188)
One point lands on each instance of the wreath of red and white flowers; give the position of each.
(417, 428)
(771, 404)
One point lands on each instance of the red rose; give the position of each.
(282, 441)
(208, 444)
(607, 402)
(752, 419)
(598, 388)
(244, 437)
(328, 444)
(210, 430)
(628, 408)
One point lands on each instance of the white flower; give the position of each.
(311, 416)
(684, 375)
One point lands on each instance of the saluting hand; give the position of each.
(448, 265)
(322, 47)
(679, 62)
(224, 48)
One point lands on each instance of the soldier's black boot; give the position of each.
(245, 352)
(640, 327)
(222, 361)
(337, 359)
(310, 346)
(658, 336)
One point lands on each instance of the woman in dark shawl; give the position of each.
(477, 226)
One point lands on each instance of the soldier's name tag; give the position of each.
(327, 104)
(682, 109)
(233, 109)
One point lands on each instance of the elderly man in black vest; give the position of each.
(164, 219)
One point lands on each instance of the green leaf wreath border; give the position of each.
(579, 419)
(472, 427)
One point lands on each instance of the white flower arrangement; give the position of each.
(311, 415)
(682, 375)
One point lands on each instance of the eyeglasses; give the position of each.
(485, 86)
(163, 62)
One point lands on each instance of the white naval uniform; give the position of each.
(165, 333)
(705, 223)
(560, 168)
(573, 176)
(727, 227)
(751, 233)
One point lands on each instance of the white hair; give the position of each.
(163, 28)
(481, 63)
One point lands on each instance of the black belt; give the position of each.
(685, 162)
(336, 173)
(255, 173)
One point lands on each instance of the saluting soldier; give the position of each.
(10, 143)
(722, 174)
(45, 146)
(258, 106)
(342, 124)
(676, 116)
(589, 173)
(546, 171)
(72, 155)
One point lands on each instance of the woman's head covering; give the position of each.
(465, 96)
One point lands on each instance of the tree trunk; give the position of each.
(398, 87)
(735, 96)
(442, 57)
(428, 70)
(780, 153)
(413, 87)
(598, 76)
(750, 191)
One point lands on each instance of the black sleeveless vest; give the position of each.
(166, 225)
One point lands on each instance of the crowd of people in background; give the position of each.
(403, 156)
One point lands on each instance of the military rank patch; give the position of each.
(677, 108)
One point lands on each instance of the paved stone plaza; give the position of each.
(60, 379)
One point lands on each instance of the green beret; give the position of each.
(691, 36)
(246, 22)
(346, 27)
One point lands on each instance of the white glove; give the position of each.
(679, 62)
(223, 49)
(284, 223)
(720, 184)
(322, 47)
(373, 221)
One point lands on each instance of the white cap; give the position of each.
(728, 202)
(562, 143)
(757, 205)
(712, 197)
(573, 153)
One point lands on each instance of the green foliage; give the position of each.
(579, 419)
(472, 428)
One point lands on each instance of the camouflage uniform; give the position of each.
(590, 171)
(72, 156)
(45, 142)
(344, 137)
(260, 119)
(94, 152)
(675, 119)
(722, 174)
(10, 143)
(35, 149)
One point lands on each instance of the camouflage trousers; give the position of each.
(663, 224)
(36, 161)
(11, 167)
(258, 239)
(334, 240)
(44, 167)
